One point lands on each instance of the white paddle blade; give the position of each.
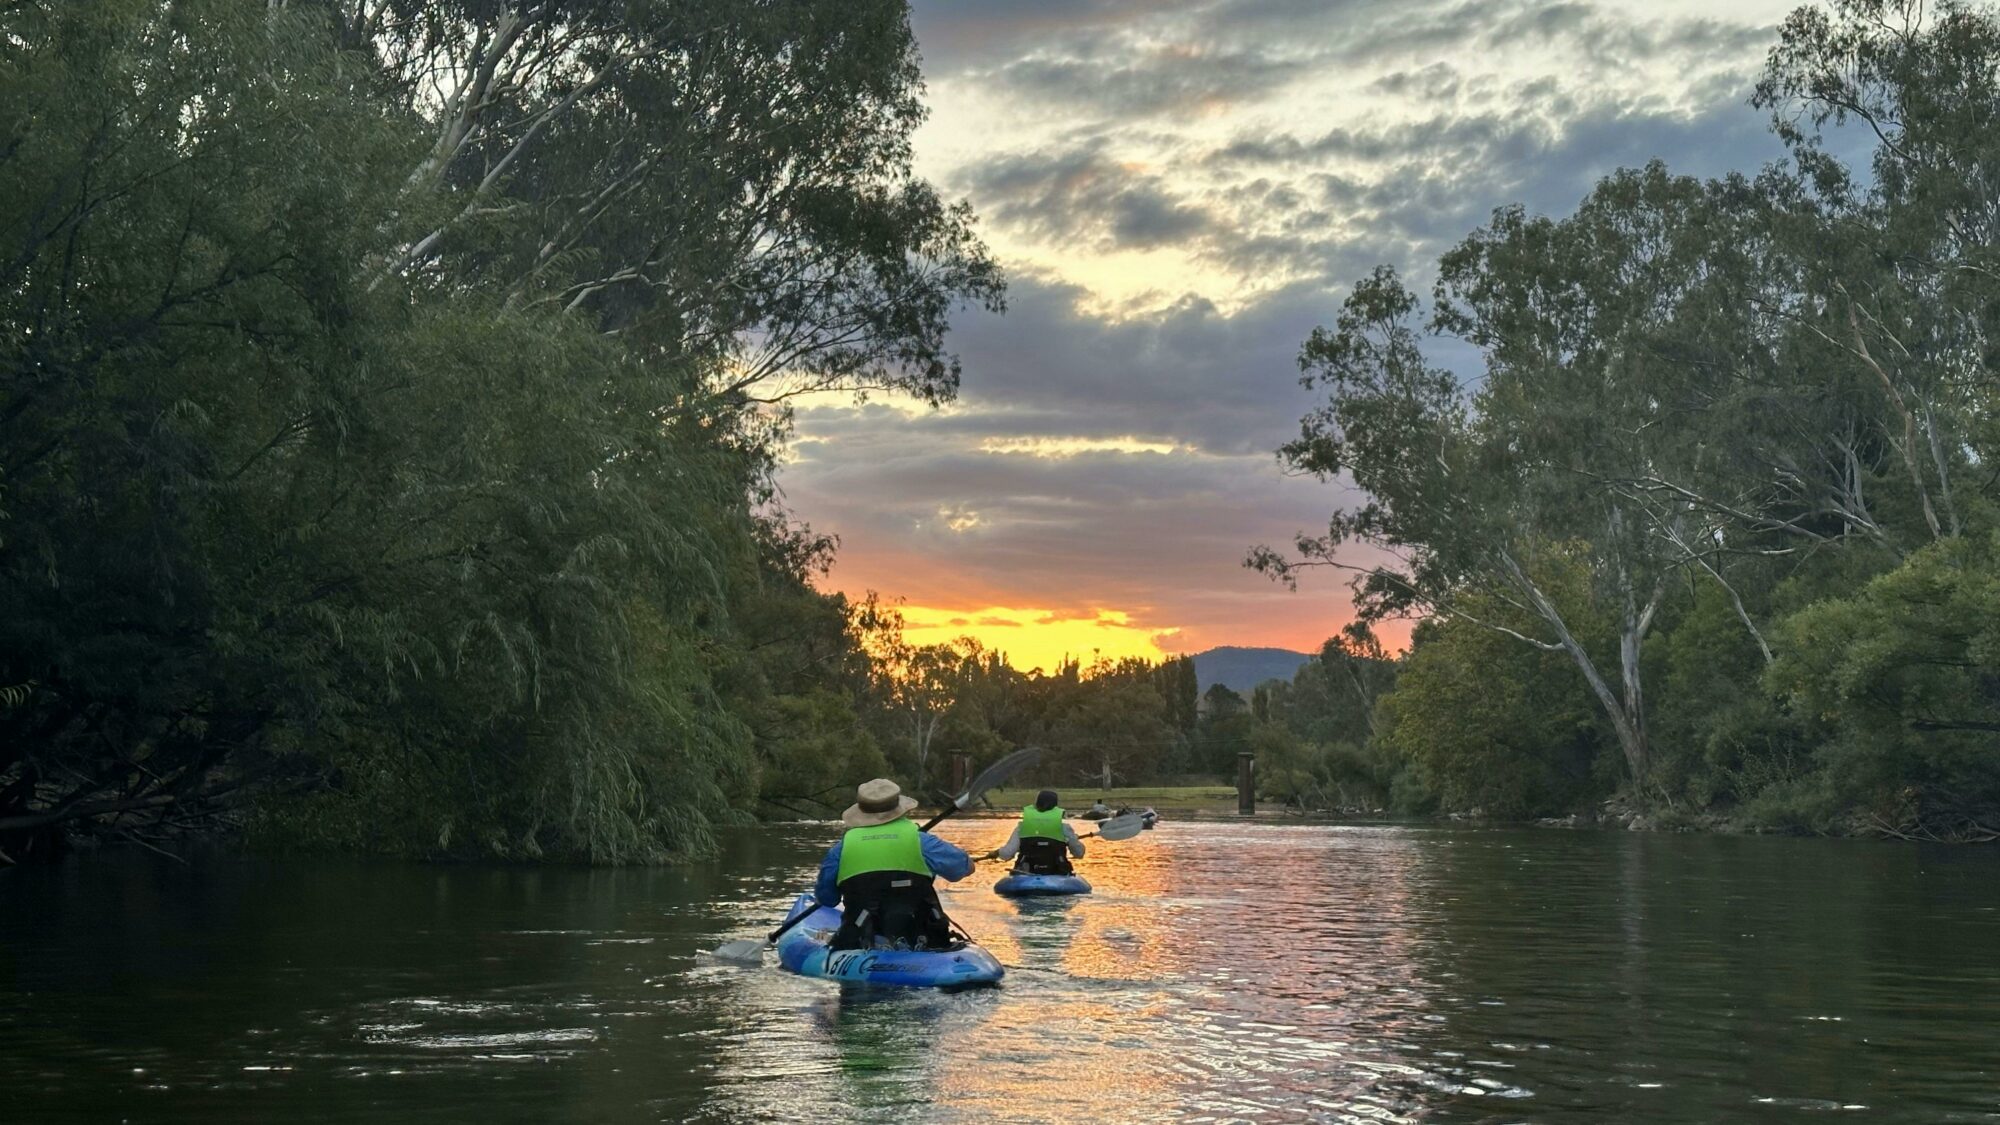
(1122, 827)
(745, 952)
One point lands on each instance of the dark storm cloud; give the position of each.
(1438, 82)
(1148, 216)
(1433, 181)
(1162, 80)
(1186, 375)
(1081, 193)
(1319, 207)
(1128, 58)
(955, 33)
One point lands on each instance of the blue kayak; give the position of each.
(803, 950)
(1018, 885)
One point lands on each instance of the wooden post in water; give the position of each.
(961, 770)
(1246, 789)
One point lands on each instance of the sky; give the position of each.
(1179, 193)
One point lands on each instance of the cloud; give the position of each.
(1181, 192)
(1264, 211)
(955, 35)
(1079, 193)
(1143, 395)
(1166, 478)
(1160, 80)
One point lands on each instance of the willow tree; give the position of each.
(378, 382)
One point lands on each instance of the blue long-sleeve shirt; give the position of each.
(946, 860)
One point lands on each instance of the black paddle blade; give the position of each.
(990, 777)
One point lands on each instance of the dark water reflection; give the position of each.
(1223, 971)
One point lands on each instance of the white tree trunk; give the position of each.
(1627, 717)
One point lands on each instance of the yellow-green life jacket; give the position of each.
(1037, 824)
(895, 846)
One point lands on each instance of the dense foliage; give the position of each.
(388, 397)
(1714, 523)
(1114, 723)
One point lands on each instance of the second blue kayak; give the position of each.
(1017, 886)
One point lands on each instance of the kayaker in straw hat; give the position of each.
(1042, 838)
(885, 869)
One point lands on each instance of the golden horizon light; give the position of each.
(1038, 638)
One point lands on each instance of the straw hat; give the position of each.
(877, 802)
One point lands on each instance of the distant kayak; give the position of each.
(804, 950)
(1022, 885)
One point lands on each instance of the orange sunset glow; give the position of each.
(1172, 228)
(1038, 638)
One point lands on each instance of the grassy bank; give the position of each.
(1186, 798)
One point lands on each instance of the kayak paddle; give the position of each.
(1122, 827)
(989, 778)
(752, 950)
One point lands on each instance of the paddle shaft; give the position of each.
(774, 935)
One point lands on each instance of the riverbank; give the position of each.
(1163, 799)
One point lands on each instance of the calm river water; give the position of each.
(1223, 972)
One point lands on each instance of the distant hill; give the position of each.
(1242, 669)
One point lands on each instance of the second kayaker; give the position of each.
(1043, 840)
(885, 870)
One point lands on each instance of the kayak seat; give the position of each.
(1042, 856)
(892, 907)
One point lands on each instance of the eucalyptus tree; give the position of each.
(1113, 724)
(1894, 679)
(1772, 387)
(1348, 676)
(1471, 488)
(1907, 292)
(705, 178)
(923, 686)
(1175, 680)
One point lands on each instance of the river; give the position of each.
(1223, 971)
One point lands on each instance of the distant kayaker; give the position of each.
(1097, 811)
(1042, 838)
(885, 869)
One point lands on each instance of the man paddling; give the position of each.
(884, 869)
(1042, 838)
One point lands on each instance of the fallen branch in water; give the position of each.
(133, 837)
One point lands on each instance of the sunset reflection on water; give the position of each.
(1230, 970)
(1218, 970)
